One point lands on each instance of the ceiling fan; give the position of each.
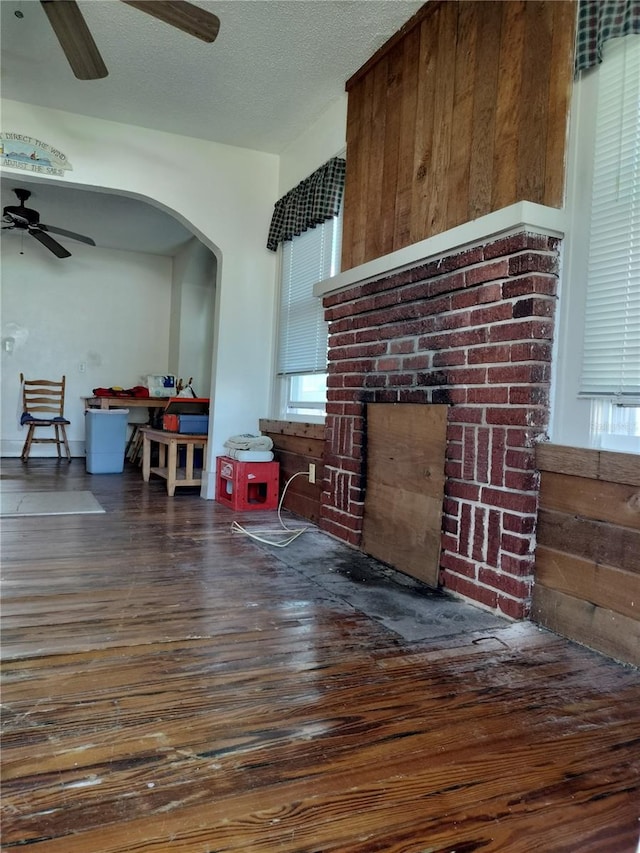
(26, 219)
(80, 49)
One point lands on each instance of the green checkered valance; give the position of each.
(314, 200)
(599, 21)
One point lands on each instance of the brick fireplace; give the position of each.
(472, 328)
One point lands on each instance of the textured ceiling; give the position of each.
(274, 68)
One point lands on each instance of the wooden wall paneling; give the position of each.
(302, 505)
(394, 143)
(401, 234)
(404, 486)
(567, 460)
(294, 428)
(295, 445)
(415, 21)
(292, 462)
(534, 117)
(301, 497)
(600, 585)
(612, 633)
(299, 445)
(619, 467)
(616, 503)
(365, 176)
(352, 196)
(462, 116)
(560, 88)
(597, 464)
(437, 217)
(376, 193)
(507, 63)
(509, 104)
(356, 190)
(592, 540)
(588, 548)
(482, 147)
(423, 169)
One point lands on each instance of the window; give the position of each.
(302, 332)
(597, 389)
(611, 350)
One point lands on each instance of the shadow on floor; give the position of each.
(397, 601)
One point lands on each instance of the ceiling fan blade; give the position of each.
(185, 16)
(51, 244)
(63, 233)
(75, 39)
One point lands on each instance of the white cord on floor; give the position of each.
(296, 531)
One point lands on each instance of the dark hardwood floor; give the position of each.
(170, 686)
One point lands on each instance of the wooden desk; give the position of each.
(125, 402)
(168, 444)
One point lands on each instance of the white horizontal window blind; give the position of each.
(306, 260)
(611, 356)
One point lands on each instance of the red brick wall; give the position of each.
(472, 330)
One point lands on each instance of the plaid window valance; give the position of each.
(599, 21)
(314, 200)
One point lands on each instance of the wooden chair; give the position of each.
(44, 395)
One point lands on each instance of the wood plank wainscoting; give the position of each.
(588, 548)
(295, 445)
(173, 687)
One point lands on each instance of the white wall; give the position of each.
(226, 196)
(102, 320)
(326, 138)
(192, 315)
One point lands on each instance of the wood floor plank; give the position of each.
(169, 686)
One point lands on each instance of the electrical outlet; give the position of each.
(312, 472)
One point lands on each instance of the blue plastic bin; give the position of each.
(105, 440)
(193, 424)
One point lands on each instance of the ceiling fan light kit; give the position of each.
(80, 49)
(26, 219)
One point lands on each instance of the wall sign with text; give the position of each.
(32, 155)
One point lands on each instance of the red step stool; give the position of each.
(247, 485)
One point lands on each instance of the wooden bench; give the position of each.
(168, 457)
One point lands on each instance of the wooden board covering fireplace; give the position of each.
(405, 451)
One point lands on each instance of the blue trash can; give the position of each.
(105, 440)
